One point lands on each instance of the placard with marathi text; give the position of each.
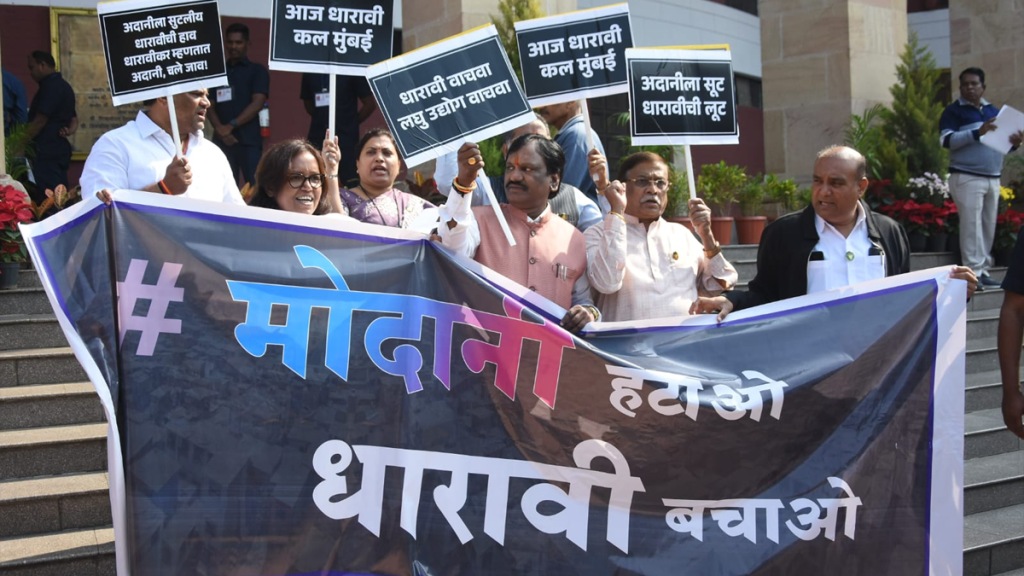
(577, 55)
(441, 95)
(152, 47)
(681, 96)
(331, 36)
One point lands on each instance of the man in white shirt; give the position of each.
(642, 266)
(140, 155)
(834, 242)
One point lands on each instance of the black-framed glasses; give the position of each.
(314, 180)
(645, 183)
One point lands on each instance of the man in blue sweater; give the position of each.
(974, 171)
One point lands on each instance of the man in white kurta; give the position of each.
(642, 266)
(140, 155)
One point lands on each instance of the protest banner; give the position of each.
(437, 97)
(308, 395)
(331, 36)
(576, 55)
(158, 47)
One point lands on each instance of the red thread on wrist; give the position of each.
(163, 187)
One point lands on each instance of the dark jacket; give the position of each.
(786, 246)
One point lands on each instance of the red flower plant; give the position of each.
(14, 209)
(1008, 224)
(923, 217)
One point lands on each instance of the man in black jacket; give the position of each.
(834, 242)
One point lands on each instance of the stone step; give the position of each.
(54, 504)
(29, 278)
(78, 553)
(39, 366)
(986, 435)
(23, 331)
(738, 252)
(54, 450)
(990, 299)
(984, 391)
(25, 301)
(994, 541)
(926, 260)
(982, 323)
(48, 405)
(1012, 573)
(992, 482)
(982, 355)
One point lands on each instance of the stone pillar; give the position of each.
(822, 61)
(988, 34)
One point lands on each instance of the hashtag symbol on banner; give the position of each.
(160, 295)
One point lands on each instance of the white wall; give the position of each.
(933, 32)
(685, 22)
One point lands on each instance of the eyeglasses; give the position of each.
(314, 180)
(644, 183)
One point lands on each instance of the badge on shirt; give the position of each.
(322, 99)
(224, 94)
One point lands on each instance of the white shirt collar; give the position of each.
(540, 217)
(822, 226)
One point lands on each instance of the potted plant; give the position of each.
(912, 216)
(677, 198)
(1008, 225)
(14, 209)
(780, 196)
(932, 194)
(61, 197)
(719, 185)
(750, 224)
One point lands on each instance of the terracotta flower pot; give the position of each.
(721, 227)
(749, 228)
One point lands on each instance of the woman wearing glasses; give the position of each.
(295, 177)
(375, 200)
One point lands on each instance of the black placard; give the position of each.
(571, 59)
(151, 47)
(682, 100)
(340, 36)
(447, 92)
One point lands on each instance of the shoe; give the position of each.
(986, 281)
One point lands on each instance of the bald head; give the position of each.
(839, 182)
(846, 153)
